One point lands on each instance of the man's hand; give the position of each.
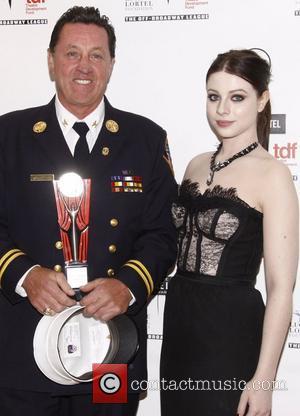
(46, 288)
(106, 298)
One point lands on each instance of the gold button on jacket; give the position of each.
(112, 248)
(114, 222)
(105, 151)
(57, 268)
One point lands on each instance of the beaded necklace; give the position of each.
(215, 167)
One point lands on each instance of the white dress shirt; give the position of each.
(66, 121)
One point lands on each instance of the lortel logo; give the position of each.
(285, 152)
(278, 123)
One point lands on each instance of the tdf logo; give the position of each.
(31, 2)
(285, 152)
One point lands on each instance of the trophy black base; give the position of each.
(78, 295)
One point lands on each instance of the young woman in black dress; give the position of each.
(221, 344)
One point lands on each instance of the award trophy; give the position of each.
(72, 194)
(67, 344)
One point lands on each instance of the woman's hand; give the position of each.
(256, 399)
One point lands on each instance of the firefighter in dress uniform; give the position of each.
(132, 242)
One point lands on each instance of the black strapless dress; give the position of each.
(213, 314)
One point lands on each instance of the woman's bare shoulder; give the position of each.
(272, 177)
(272, 168)
(197, 163)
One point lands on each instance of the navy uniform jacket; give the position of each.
(138, 224)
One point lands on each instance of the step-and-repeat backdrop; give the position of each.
(164, 48)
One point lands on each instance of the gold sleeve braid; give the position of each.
(7, 258)
(143, 274)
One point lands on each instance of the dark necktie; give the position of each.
(81, 152)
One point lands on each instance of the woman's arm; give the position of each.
(280, 230)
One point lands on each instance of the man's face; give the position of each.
(81, 66)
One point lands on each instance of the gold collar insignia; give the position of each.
(39, 127)
(112, 126)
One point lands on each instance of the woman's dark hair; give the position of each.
(87, 15)
(247, 64)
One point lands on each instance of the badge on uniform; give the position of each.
(112, 126)
(39, 127)
(126, 183)
(167, 156)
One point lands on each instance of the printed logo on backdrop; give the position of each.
(17, 12)
(164, 286)
(192, 4)
(155, 313)
(35, 6)
(278, 123)
(157, 337)
(155, 319)
(138, 5)
(294, 331)
(285, 150)
(165, 10)
(297, 8)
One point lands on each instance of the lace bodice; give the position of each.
(218, 233)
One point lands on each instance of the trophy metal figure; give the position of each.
(72, 194)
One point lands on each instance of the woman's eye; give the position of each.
(237, 97)
(213, 97)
